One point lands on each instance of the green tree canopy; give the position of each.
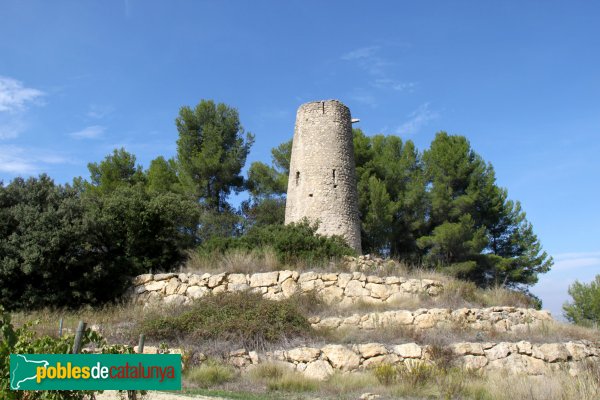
(211, 151)
(585, 307)
(442, 208)
(118, 168)
(267, 186)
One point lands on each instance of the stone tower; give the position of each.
(322, 182)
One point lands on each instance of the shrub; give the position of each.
(61, 247)
(416, 373)
(386, 374)
(242, 317)
(268, 371)
(292, 243)
(293, 382)
(210, 373)
(24, 341)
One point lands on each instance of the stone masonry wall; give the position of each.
(512, 358)
(500, 319)
(322, 181)
(335, 288)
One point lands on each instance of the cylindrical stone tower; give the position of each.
(322, 182)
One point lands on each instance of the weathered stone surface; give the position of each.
(382, 359)
(141, 279)
(578, 351)
(264, 279)
(195, 280)
(236, 279)
(551, 352)
(501, 350)
(195, 292)
(163, 277)
(425, 321)
(342, 289)
(155, 285)
(289, 287)
(474, 362)
(216, 280)
(474, 349)
(371, 350)
(329, 277)
(355, 288)
(320, 370)
(176, 299)
(171, 287)
(343, 280)
(283, 275)
(408, 350)
(378, 290)
(332, 294)
(524, 347)
(307, 276)
(237, 287)
(341, 357)
(303, 354)
(323, 142)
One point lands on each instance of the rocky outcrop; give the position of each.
(514, 358)
(334, 288)
(500, 319)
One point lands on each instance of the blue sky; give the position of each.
(521, 80)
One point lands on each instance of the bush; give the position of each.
(24, 341)
(292, 243)
(386, 374)
(585, 308)
(239, 317)
(61, 247)
(210, 373)
(293, 382)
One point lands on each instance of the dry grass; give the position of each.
(419, 382)
(114, 322)
(548, 332)
(210, 373)
(557, 386)
(235, 261)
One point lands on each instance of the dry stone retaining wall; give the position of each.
(514, 358)
(501, 319)
(335, 288)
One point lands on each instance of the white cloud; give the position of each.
(364, 98)
(363, 52)
(417, 120)
(17, 160)
(577, 260)
(11, 127)
(90, 132)
(14, 96)
(99, 111)
(386, 83)
(367, 59)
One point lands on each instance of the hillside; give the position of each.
(343, 330)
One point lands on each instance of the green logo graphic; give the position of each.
(95, 371)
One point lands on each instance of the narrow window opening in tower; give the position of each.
(297, 177)
(334, 179)
(323, 105)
